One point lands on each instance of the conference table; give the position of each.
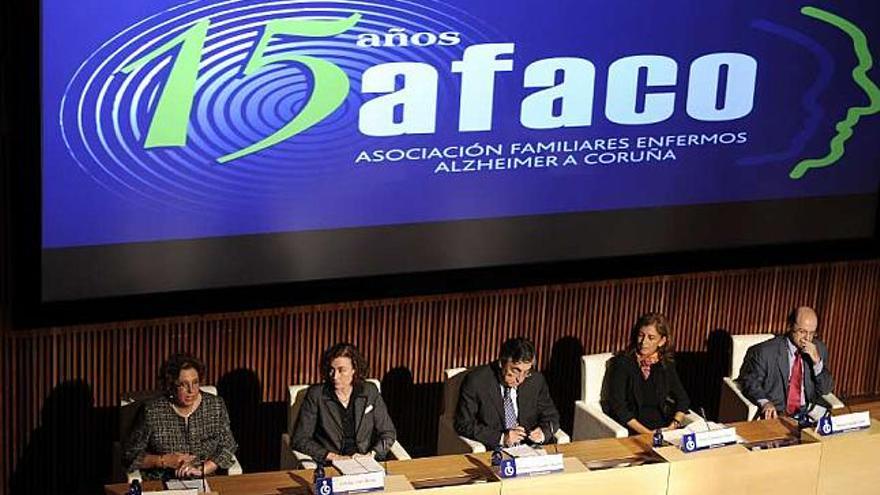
(738, 470)
(775, 457)
(850, 461)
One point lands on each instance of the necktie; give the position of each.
(509, 412)
(794, 385)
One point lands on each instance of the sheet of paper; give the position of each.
(817, 412)
(674, 436)
(360, 465)
(200, 485)
(521, 451)
(186, 484)
(173, 492)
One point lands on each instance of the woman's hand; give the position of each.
(175, 460)
(188, 471)
(637, 426)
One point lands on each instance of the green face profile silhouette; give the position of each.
(860, 76)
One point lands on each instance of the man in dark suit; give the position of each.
(506, 402)
(785, 373)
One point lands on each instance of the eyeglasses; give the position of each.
(801, 332)
(188, 386)
(518, 372)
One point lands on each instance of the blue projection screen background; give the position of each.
(296, 140)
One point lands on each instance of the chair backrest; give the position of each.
(297, 393)
(741, 344)
(453, 377)
(593, 368)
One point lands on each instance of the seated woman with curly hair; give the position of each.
(183, 433)
(345, 416)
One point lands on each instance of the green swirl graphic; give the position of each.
(860, 76)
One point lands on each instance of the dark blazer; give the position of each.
(318, 429)
(624, 394)
(480, 412)
(765, 373)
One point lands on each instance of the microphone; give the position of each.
(496, 455)
(844, 397)
(657, 438)
(319, 470)
(552, 439)
(204, 483)
(802, 416)
(134, 488)
(705, 419)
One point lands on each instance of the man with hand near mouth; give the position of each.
(789, 371)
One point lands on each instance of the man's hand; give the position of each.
(811, 350)
(537, 435)
(333, 456)
(514, 436)
(768, 410)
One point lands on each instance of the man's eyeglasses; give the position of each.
(801, 332)
(518, 372)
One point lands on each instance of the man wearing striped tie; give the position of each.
(786, 373)
(507, 402)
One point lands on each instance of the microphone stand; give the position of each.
(552, 438)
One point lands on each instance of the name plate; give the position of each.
(350, 483)
(830, 425)
(539, 464)
(708, 439)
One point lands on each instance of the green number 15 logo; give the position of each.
(170, 121)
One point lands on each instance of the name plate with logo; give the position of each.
(531, 465)
(356, 483)
(830, 425)
(708, 439)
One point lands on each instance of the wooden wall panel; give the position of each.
(56, 379)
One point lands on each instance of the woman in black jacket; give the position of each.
(345, 416)
(643, 389)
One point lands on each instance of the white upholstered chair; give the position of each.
(128, 405)
(734, 406)
(293, 459)
(590, 421)
(448, 440)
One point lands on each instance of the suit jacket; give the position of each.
(480, 412)
(624, 394)
(765, 373)
(318, 429)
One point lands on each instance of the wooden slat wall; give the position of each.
(58, 379)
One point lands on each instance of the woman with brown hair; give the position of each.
(345, 416)
(644, 392)
(183, 433)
